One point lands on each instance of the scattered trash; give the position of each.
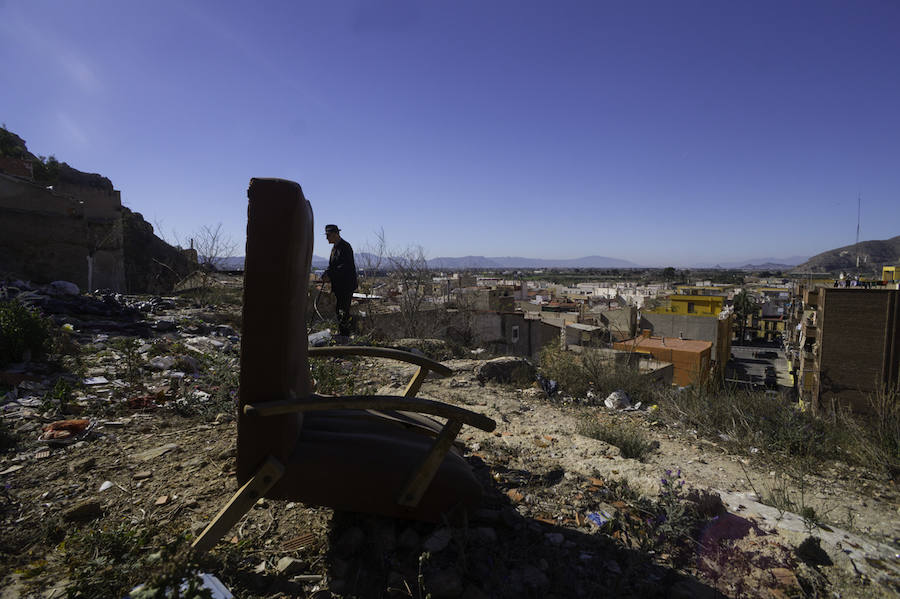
(65, 430)
(617, 400)
(319, 339)
(96, 380)
(207, 582)
(107, 484)
(12, 469)
(599, 519)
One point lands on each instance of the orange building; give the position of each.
(690, 358)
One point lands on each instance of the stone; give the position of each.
(443, 584)
(152, 454)
(289, 566)
(63, 288)
(555, 538)
(507, 369)
(164, 326)
(82, 465)
(408, 539)
(162, 362)
(534, 578)
(438, 541)
(83, 511)
(350, 542)
(484, 535)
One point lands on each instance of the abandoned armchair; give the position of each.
(376, 454)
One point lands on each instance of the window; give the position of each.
(690, 307)
(515, 334)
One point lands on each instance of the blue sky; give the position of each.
(664, 133)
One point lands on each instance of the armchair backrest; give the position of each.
(274, 360)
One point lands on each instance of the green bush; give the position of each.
(565, 368)
(24, 333)
(632, 442)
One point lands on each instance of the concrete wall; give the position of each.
(701, 328)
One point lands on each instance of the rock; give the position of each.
(484, 535)
(443, 584)
(534, 578)
(350, 542)
(288, 566)
(82, 465)
(164, 326)
(438, 541)
(507, 369)
(555, 538)
(409, 539)
(63, 288)
(83, 511)
(152, 454)
(162, 362)
(617, 400)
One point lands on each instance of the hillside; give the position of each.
(566, 514)
(872, 256)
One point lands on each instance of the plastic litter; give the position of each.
(599, 519)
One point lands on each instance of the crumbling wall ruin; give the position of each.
(46, 235)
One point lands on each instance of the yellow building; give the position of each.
(889, 274)
(697, 305)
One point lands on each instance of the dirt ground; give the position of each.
(536, 536)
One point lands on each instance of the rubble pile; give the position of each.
(129, 426)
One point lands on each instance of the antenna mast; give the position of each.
(858, 210)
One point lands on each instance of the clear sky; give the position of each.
(664, 133)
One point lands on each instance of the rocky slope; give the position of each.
(565, 515)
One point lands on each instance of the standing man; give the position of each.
(342, 274)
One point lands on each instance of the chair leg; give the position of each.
(418, 483)
(240, 503)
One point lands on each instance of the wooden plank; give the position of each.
(370, 402)
(240, 503)
(414, 489)
(340, 351)
(415, 383)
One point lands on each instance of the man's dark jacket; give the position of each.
(342, 269)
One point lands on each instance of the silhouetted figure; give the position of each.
(342, 274)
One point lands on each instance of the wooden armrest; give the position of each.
(379, 352)
(316, 403)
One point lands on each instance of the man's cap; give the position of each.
(331, 229)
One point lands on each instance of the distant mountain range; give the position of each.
(757, 263)
(488, 263)
(517, 262)
(465, 262)
(872, 255)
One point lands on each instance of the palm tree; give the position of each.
(744, 307)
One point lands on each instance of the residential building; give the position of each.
(691, 359)
(850, 347)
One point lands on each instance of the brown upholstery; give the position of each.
(355, 460)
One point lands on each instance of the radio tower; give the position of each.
(856, 247)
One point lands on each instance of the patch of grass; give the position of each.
(111, 561)
(130, 364)
(24, 333)
(335, 376)
(748, 419)
(632, 442)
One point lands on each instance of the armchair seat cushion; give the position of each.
(363, 467)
